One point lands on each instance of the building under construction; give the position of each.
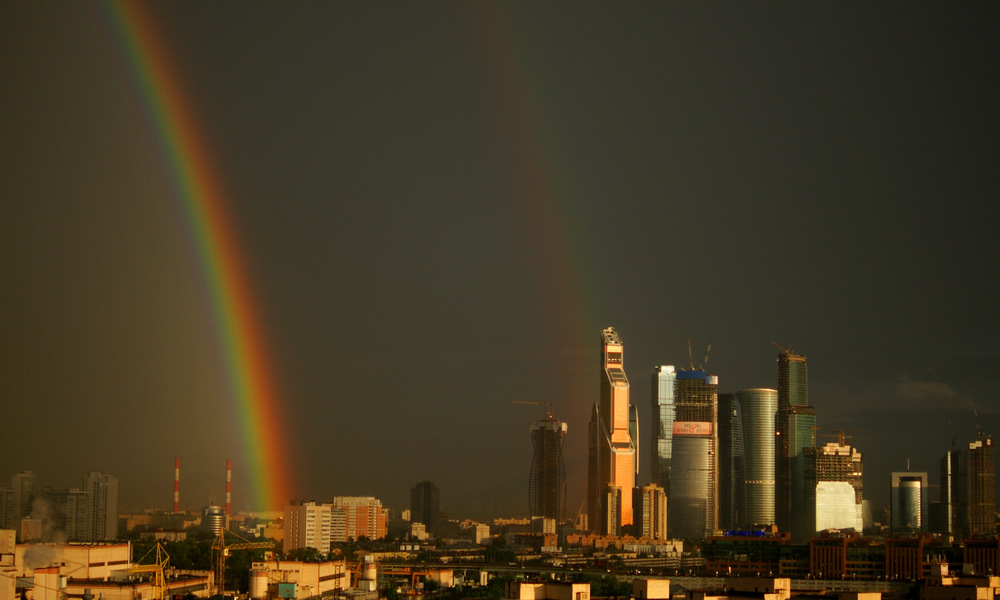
(547, 481)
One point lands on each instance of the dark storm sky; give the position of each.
(440, 206)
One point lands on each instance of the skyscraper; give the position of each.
(954, 504)
(612, 457)
(547, 480)
(424, 506)
(694, 471)
(662, 430)
(982, 498)
(795, 426)
(650, 512)
(732, 464)
(906, 501)
(104, 505)
(759, 406)
(833, 486)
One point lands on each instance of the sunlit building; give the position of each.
(662, 429)
(795, 427)
(982, 495)
(307, 525)
(364, 517)
(834, 490)
(547, 480)
(612, 448)
(694, 473)
(758, 407)
(906, 501)
(650, 512)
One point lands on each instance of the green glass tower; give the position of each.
(795, 425)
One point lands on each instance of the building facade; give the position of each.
(982, 497)
(364, 516)
(612, 448)
(759, 406)
(307, 525)
(834, 490)
(650, 512)
(732, 464)
(424, 508)
(906, 501)
(694, 471)
(795, 424)
(662, 429)
(547, 479)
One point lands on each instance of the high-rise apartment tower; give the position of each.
(612, 448)
(982, 498)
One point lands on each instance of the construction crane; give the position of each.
(812, 432)
(787, 350)
(547, 406)
(701, 367)
(220, 550)
(839, 434)
(162, 560)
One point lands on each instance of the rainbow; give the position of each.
(200, 191)
(528, 129)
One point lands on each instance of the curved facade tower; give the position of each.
(759, 406)
(611, 445)
(547, 481)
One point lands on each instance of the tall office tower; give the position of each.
(612, 458)
(23, 485)
(982, 498)
(662, 431)
(547, 480)
(649, 507)
(424, 506)
(103, 506)
(732, 465)
(794, 426)
(954, 496)
(759, 406)
(906, 501)
(834, 492)
(694, 475)
(365, 517)
(307, 525)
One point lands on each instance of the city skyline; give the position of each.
(430, 211)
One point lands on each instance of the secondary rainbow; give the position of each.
(200, 191)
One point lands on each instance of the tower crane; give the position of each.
(547, 406)
(220, 550)
(162, 560)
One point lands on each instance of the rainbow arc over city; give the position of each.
(202, 196)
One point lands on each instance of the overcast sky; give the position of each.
(440, 205)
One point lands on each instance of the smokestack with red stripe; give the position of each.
(229, 484)
(177, 485)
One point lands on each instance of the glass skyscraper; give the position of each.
(794, 428)
(759, 406)
(692, 502)
(732, 464)
(662, 430)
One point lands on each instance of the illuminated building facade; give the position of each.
(954, 493)
(612, 447)
(650, 512)
(834, 490)
(364, 517)
(662, 430)
(547, 480)
(694, 472)
(982, 497)
(795, 425)
(758, 407)
(906, 501)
